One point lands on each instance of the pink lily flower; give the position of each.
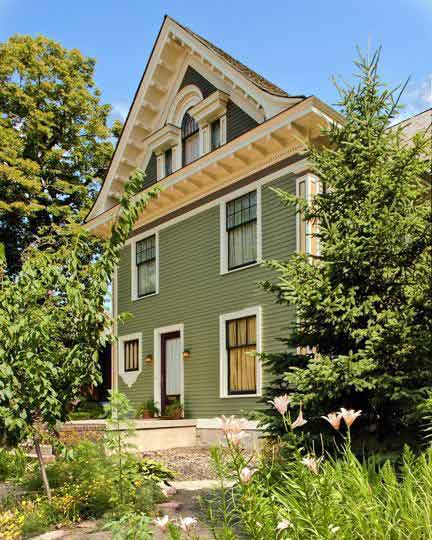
(299, 421)
(187, 523)
(281, 403)
(334, 419)
(349, 415)
(161, 523)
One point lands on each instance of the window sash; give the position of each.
(242, 210)
(191, 149)
(241, 226)
(146, 266)
(146, 250)
(215, 134)
(146, 278)
(242, 245)
(241, 342)
(131, 355)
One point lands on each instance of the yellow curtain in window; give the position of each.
(242, 366)
(242, 369)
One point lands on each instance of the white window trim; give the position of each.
(223, 355)
(157, 359)
(308, 179)
(134, 271)
(129, 377)
(223, 233)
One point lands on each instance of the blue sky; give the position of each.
(298, 44)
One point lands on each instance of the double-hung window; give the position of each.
(131, 355)
(241, 229)
(146, 266)
(190, 139)
(241, 344)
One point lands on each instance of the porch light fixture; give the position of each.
(148, 359)
(186, 354)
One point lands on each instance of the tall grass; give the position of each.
(300, 496)
(353, 500)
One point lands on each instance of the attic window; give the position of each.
(190, 139)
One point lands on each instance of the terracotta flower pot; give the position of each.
(147, 415)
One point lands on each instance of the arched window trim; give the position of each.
(189, 126)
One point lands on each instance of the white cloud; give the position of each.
(416, 98)
(120, 110)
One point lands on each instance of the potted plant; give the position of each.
(148, 409)
(173, 411)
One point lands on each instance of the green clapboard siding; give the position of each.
(193, 292)
(238, 122)
(193, 77)
(150, 172)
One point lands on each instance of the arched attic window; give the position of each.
(190, 139)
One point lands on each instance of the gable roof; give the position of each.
(249, 73)
(258, 95)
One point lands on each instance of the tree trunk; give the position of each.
(42, 467)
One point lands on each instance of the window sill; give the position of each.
(245, 267)
(137, 298)
(234, 396)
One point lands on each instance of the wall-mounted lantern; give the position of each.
(186, 354)
(148, 359)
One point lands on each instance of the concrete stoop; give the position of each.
(155, 434)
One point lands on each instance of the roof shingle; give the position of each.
(249, 73)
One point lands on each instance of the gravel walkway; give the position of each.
(187, 463)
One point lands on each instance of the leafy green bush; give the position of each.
(87, 410)
(88, 475)
(130, 527)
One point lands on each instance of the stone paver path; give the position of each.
(186, 502)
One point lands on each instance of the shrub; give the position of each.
(85, 476)
(86, 410)
(130, 527)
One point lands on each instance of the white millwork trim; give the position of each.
(244, 141)
(157, 359)
(223, 232)
(223, 129)
(134, 270)
(188, 97)
(114, 345)
(223, 354)
(293, 169)
(211, 108)
(129, 377)
(309, 180)
(215, 423)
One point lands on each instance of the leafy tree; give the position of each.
(54, 139)
(364, 307)
(53, 322)
(120, 431)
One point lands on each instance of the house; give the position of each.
(216, 137)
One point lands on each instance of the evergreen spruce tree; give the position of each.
(363, 306)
